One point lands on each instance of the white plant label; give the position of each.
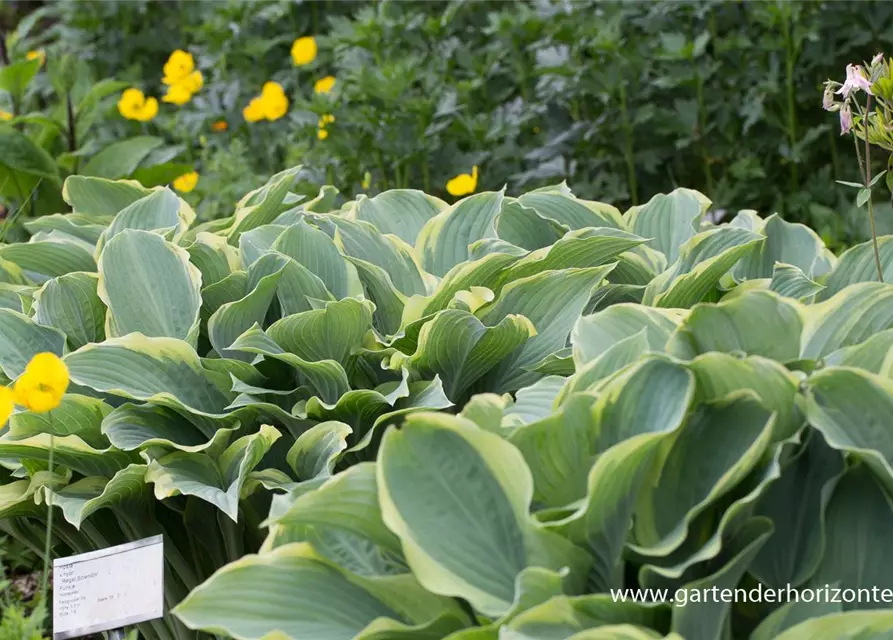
(108, 589)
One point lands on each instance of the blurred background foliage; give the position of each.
(621, 99)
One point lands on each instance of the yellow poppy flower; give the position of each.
(367, 180)
(7, 404)
(220, 125)
(326, 119)
(40, 54)
(5, 115)
(43, 384)
(134, 105)
(324, 85)
(272, 89)
(322, 134)
(186, 182)
(254, 111)
(179, 65)
(274, 100)
(177, 94)
(463, 184)
(303, 51)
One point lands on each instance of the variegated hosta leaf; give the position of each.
(262, 205)
(402, 212)
(76, 415)
(81, 499)
(71, 304)
(857, 264)
(159, 212)
(595, 334)
(567, 210)
(668, 221)
(848, 318)
(854, 625)
(150, 287)
(790, 243)
(21, 339)
(101, 197)
(42, 260)
(791, 282)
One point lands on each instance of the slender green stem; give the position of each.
(790, 55)
(877, 253)
(628, 149)
(44, 581)
(702, 128)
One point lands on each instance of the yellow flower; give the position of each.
(7, 404)
(179, 65)
(274, 101)
(324, 85)
(220, 125)
(134, 105)
(327, 119)
(322, 134)
(367, 180)
(41, 387)
(463, 184)
(254, 111)
(5, 115)
(303, 51)
(186, 182)
(40, 54)
(177, 94)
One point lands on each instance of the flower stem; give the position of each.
(628, 151)
(44, 582)
(790, 54)
(877, 254)
(702, 129)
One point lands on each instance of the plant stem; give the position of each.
(72, 131)
(792, 106)
(44, 581)
(702, 127)
(877, 253)
(628, 150)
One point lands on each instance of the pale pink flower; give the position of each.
(877, 59)
(846, 119)
(855, 80)
(828, 103)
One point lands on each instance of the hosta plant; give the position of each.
(405, 418)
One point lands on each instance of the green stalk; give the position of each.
(877, 253)
(792, 107)
(44, 581)
(702, 127)
(628, 150)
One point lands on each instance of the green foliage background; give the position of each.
(623, 99)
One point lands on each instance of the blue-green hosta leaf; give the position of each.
(703, 261)
(213, 256)
(457, 497)
(872, 355)
(43, 260)
(791, 614)
(137, 426)
(99, 196)
(314, 453)
(706, 620)
(858, 532)
(21, 339)
(363, 241)
(120, 159)
(461, 349)
(853, 625)
(11, 273)
(553, 302)
(16, 297)
(443, 242)
(255, 243)
(74, 226)
(76, 415)
(796, 505)
(233, 287)
(524, 227)
(315, 250)
(68, 451)
(402, 212)
(790, 243)
(595, 334)
(22, 497)
(71, 304)
(851, 408)
(857, 264)
(791, 282)
(291, 593)
(848, 318)
(669, 221)
(488, 246)
(327, 377)
(162, 370)
(261, 206)
(81, 499)
(721, 374)
(218, 481)
(158, 212)
(389, 302)
(232, 319)
(580, 249)
(756, 323)
(299, 289)
(623, 353)
(638, 267)
(150, 287)
(719, 445)
(534, 402)
(563, 616)
(567, 210)
(331, 333)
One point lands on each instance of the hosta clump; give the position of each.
(408, 419)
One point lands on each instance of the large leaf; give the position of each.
(21, 339)
(848, 318)
(101, 197)
(402, 212)
(668, 221)
(70, 303)
(595, 334)
(120, 159)
(43, 260)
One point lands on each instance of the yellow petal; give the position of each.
(49, 370)
(179, 65)
(274, 106)
(5, 115)
(149, 110)
(7, 404)
(33, 394)
(272, 90)
(186, 182)
(40, 54)
(303, 51)
(254, 111)
(322, 134)
(177, 94)
(324, 85)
